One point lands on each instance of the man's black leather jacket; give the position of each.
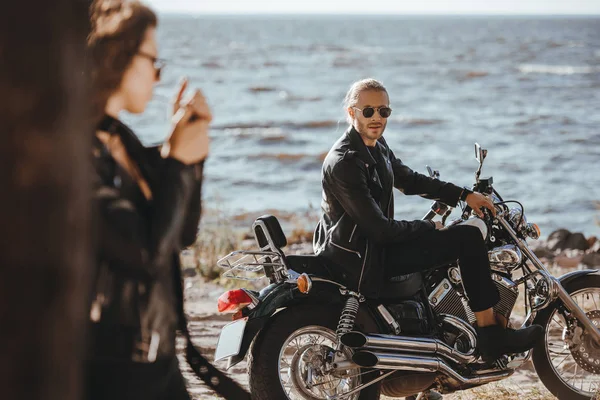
(358, 209)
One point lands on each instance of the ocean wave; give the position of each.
(286, 158)
(273, 139)
(543, 117)
(328, 48)
(317, 124)
(416, 121)
(283, 157)
(475, 74)
(284, 95)
(310, 48)
(557, 69)
(261, 89)
(212, 65)
(272, 64)
(262, 135)
(349, 62)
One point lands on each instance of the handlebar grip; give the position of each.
(429, 216)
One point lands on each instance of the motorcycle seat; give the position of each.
(269, 236)
(402, 286)
(311, 265)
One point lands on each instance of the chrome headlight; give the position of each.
(514, 217)
(506, 256)
(526, 229)
(532, 231)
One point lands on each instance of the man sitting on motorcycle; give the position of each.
(358, 232)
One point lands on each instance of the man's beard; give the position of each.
(363, 129)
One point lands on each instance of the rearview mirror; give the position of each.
(480, 153)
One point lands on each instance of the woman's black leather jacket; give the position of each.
(137, 298)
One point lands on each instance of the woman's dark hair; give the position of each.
(117, 32)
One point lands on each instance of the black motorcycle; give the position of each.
(310, 337)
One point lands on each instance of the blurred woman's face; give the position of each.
(139, 79)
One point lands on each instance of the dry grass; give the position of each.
(222, 232)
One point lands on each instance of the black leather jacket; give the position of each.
(358, 209)
(137, 297)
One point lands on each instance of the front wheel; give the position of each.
(289, 359)
(568, 360)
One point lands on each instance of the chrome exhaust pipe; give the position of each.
(405, 344)
(404, 362)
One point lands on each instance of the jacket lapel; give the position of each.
(374, 180)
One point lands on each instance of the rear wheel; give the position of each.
(289, 359)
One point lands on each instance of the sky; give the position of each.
(378, 7)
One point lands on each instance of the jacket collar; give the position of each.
(358, 145)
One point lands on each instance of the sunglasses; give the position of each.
(368, 112)
(158, 63)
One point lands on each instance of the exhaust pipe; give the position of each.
(369, 359)
(405, 344)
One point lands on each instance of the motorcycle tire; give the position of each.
(263, 361)
(540, 357)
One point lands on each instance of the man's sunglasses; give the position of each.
(158, 63)
(368, 112)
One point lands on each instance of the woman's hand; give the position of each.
(477, 201)
(189, 141)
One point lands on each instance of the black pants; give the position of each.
(126, 380)
(436, 248)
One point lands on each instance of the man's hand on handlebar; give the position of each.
(438, 225)
(477, 201)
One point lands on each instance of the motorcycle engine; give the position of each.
(447, 296)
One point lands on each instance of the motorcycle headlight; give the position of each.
(532, 231)
(517, 219)
(520, 224)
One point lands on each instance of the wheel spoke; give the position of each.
(563, 360)
(557, 321)
(292, 360)
(566, 360)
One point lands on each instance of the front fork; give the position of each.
(555, 287)
(557, 291)
(576, 311)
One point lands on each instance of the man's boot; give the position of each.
(494, 341)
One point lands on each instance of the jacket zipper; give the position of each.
(348, 250)
(352, 234)
(391, 193)
(363, 266)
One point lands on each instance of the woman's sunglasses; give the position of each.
(368, 112)
(158, 63)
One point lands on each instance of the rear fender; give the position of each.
(276, 297)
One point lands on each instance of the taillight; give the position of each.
(234, 300)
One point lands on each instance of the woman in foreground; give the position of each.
(148, 207)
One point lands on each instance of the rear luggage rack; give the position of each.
(251, 265)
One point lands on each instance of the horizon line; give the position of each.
(358, 14)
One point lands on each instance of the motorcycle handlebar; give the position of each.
(429, 216)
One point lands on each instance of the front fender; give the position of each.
(564, 280)
(568, 277)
